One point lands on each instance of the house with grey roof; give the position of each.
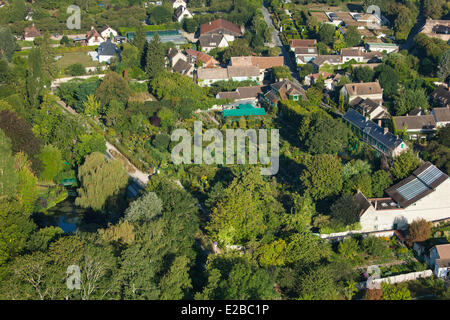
(249, 93)
(441, 116)
(364, 90)
(416, 126)
(422, 195)
(374, 135)
(211, 41)
(373, 110)
(106, 51)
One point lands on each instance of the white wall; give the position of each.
(435, 206)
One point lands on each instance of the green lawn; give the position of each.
(69, 58)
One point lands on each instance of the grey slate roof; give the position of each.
(389, 140)
(107, 49)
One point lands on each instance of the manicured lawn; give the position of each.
(69, 58)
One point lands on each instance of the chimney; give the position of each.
(407, 115)
(386, 130)
(379, 122)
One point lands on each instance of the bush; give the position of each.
(76, 69)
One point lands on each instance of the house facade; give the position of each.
(212, 41)
(31, 33)
(374, 135)
(423, 195)
(364, 90)
(107, 31)
(440, 260)
(181, 13)
(93, 38)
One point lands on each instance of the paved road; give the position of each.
(277, 42)
(420, 23)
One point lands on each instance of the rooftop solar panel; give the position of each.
(412, 189)
(430, 175)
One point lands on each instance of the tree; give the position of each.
(87, 144)
(388, 79)
(323, 176)
(419, 230)
(318, 284)
(241, 279)
(7, 43)
(91, 106)
(160, 14)
(444, 66)
(410, 99)
(49, 69)
(8, 177)
(381, 180)
(35, 76)
(239, 47)
(433, 8)
(100, 179)
(346, 209)
(305, 70)
(175, 283)
(395, 292)
(326, 136)
(281, 72)
(155, 57)
(352, 37)
(326, 33)
(52, 162)
(144, 209)
(404, 164)
(231, 225)
(364, 74)
(21, 135)
(113, 87)
(18, 11)
(76, 69)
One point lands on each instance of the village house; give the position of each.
(304, 55)
(207, 76)
(174, 55)
(181, 13)
(105, 52)
(441, 116)
(178, 3)
(31, 33)
(360, 55)
(184, 68)
(283, 90)
(421, 126)
(381, 47)
(108, 32)
(262, 63)
(211, 41)
(439, 260)
(365, 90)
(374, 135)
(322, 60)
(422, 195)
(372, 110)
(221, 26)
(93, 38)
(302, 43)
(441, 96)
(314, 77)
(249, 94)
(201, 58)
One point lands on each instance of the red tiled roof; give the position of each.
(203, 57)
(210, 27)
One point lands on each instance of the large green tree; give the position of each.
(8, 177)
(155, 57)
(323, 176)
(100, 179)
